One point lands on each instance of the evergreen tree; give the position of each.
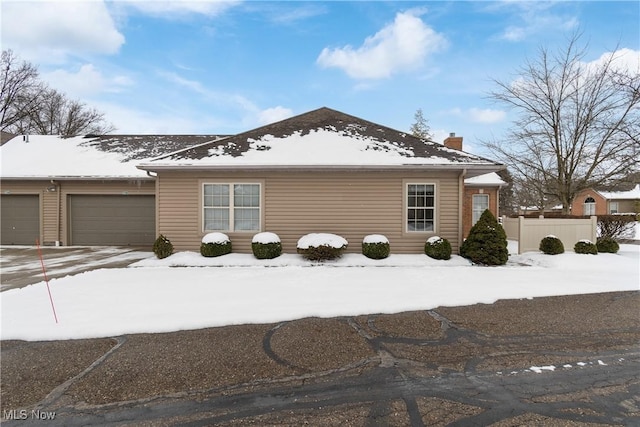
(487, 242)
(420, 127)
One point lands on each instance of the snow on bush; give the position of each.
(216, 238)
(375, 238)
(437, 247)
(215, 244)
(375, 246)
(266, 245)
(266, 238)
(321, 246)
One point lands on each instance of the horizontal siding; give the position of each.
(352, 204)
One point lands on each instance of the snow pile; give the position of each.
(375, 238)
(265, 238)
(315, 240)
(216, 238)
(434, 239)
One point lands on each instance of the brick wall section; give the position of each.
(467, 205)
(577, 206)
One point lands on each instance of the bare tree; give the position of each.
(420, 126)
(578, 124)
(59, 115)
(20, 91)
(29, 106)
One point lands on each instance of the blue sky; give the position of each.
(225, 67)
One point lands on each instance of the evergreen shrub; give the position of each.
(215, 244)
(608, 245)
(376, 246)
(162, 247)
(585, 247)
(266, 246)
(321, 246)
(437, 248)
(551, 245)
(486, 243)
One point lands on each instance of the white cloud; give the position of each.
(486, 115)
(478, 115)
(179, 8)
(46, 32)
(533, 18)
(624, 60)
(274, 114)
(86, 81)
(403, 44)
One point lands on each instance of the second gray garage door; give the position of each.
(112, 220)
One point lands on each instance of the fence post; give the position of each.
(594, 228)
(520, 234)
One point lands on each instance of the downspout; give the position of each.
(58, 213)
(460, 207)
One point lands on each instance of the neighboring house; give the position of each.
(81, 190)
(595, 202)
(322, 171)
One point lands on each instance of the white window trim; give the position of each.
(614, 208)
(405, 209)
(231, 207)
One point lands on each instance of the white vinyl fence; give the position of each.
(530, 231)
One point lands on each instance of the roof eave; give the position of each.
(471, 169)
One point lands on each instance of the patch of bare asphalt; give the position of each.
(455, 366)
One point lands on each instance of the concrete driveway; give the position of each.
(20, 265)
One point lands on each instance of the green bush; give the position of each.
(266, 246)
(585, 247)
(162, 247)
(486, 243)
(608, 245)
(437, 248)
(376, 250)
(321, 246)
(551, 245)
(215, 244)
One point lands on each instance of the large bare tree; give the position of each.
(29, 106)
(578, 123)
(20, 91)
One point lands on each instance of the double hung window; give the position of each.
(231, 207)
(480, 204)
(421, 205)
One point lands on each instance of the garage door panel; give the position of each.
(20, 218)
(112, 220)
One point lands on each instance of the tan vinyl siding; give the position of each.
(352, 204)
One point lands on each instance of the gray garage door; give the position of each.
(20, 218)
(112, 220)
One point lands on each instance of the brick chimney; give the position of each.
(453, 141)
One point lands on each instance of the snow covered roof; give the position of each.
(630, 194)
(321, 138)
(485, 179)
(106, 156)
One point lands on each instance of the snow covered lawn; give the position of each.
(154, 296)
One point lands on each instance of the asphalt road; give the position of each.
(560, 361)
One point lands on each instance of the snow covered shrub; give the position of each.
(608, 245)
(162, 247)
(266, 246)
(375, 246)
(585, 247)
(437, 247)
(215, 244)
(486, 243)
(551, 245)
(321, 246)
